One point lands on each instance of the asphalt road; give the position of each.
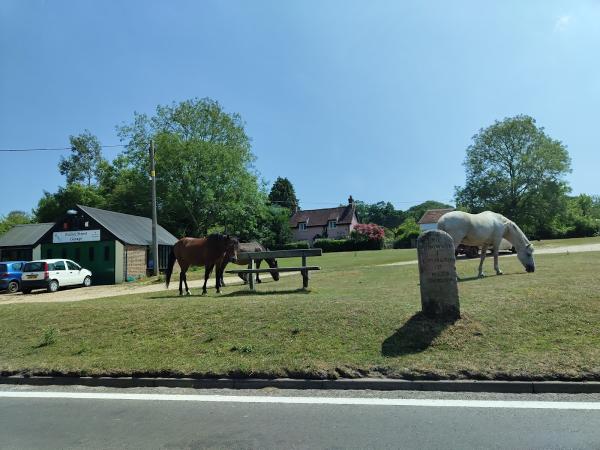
(236, 419)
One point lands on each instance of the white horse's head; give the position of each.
(525, 255)
(522, 245)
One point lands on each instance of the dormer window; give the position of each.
(302, 226)
(332, 224)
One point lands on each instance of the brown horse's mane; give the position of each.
(218, 237)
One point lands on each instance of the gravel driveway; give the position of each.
(115, 290)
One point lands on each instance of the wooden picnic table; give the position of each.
(304, 269)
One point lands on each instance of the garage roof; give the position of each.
(133, 230)
(24, 235)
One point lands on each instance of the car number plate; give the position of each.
(31, 276)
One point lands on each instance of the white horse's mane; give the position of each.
(517, 233)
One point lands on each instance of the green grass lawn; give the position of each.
(358, 319)
(553, 243)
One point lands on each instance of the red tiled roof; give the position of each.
(433, 215)
(320, 217)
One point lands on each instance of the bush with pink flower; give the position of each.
(368, 232)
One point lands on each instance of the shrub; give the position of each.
(367, 231)
(406, 233)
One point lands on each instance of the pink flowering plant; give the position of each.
(367, 232)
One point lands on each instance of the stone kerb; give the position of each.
(437, 275)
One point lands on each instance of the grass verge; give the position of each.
(358, 319)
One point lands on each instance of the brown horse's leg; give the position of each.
(207, 270)
(181, 281)
(187, 289)
(220, 269)
(258, 267)
(182, 277)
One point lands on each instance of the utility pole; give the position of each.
(154, 218)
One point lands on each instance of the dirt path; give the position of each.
(542, 251)
(94, 292)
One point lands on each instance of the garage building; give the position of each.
(116, 247)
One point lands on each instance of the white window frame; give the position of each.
(302, 226)
(331, 224)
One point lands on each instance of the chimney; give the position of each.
(350, 201)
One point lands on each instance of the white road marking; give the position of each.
(307, 400)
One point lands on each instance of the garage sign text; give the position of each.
(62, 237)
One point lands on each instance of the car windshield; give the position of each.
(34, 267)
(73, 266)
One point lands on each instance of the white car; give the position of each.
(51, 274)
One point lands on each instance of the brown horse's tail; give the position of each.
(170, 265)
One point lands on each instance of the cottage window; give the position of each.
(332, 224)
(302, 226)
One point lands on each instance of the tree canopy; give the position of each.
(205, 177)
(283, 194)
(513, 167)
(85, 163)
(13, 218)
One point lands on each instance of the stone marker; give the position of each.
(437, 274)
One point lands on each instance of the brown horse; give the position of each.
(209, 252)
(251, 247)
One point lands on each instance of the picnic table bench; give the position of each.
(277, 254)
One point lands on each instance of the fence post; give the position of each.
(251, 275)
(304, 273)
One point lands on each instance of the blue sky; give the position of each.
(378, 99)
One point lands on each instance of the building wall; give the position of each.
(119, 262)
(339, 232)
(96, 256)
(135, 261)
(16, 254)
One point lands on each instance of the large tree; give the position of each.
(283, 194)
(381, 213)
(417, 211)
(13, 218)
(205, 177)
(53, 206)
(85, 163)
(513, 167)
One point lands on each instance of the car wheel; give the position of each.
(13, 287)
(53, 286)
(26, 291)
(87, 281)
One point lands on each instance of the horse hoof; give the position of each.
(258, 281)
(499, 273)
(188, 294)
(481, 275)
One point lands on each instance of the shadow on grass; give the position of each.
(474, 278)
(247, 292)
(415, 336)
(242, 293)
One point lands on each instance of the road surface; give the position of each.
(84, 418)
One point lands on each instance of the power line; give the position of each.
(50, 149)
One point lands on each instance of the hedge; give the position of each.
(292, 246)
(347, 245)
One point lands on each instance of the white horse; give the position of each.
(487, 229)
